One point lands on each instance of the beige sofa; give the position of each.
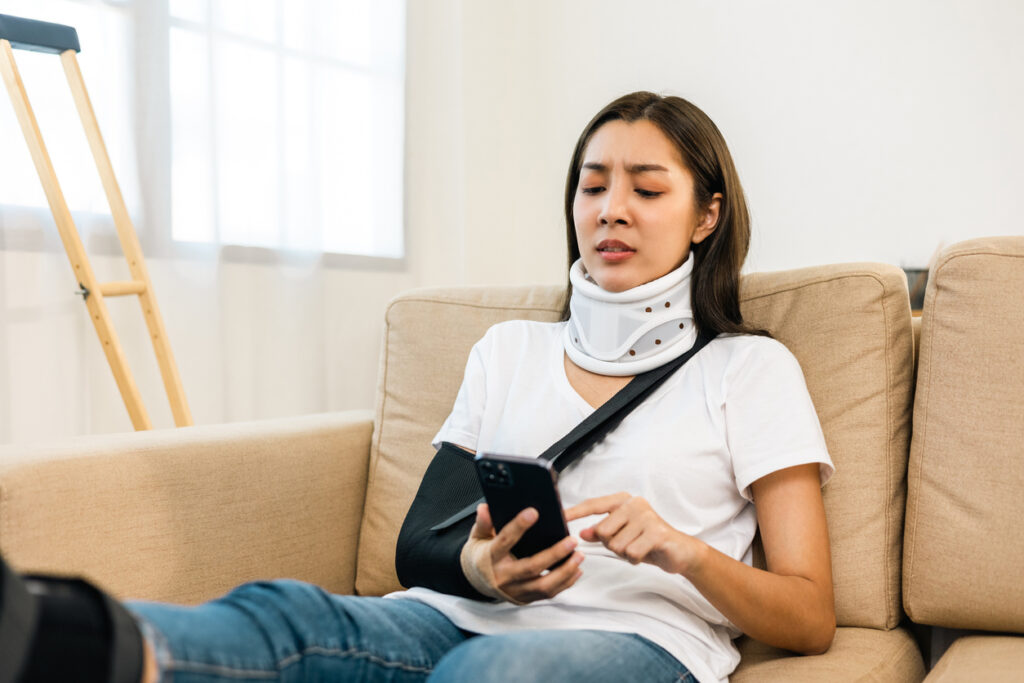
(183, 515)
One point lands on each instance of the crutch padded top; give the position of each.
(38, 36)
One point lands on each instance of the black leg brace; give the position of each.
(62, 630)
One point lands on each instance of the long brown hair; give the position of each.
(719, 257)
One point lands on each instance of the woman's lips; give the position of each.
(615, 256)
(613, 251)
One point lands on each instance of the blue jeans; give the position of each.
(292, 631)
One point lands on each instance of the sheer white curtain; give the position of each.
(107, 28)
(286, 120)
(287, 123)
(275, 124)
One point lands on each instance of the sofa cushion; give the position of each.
(428, 335)
(964, 547)
(857, 654)
(849, 326)
(993, 659)
(184, 515)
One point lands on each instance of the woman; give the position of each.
(662, 511)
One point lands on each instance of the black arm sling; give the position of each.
(443, 511)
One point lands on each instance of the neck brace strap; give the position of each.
(626, 333)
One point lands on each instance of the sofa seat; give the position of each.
(993, 659)
(857, 654)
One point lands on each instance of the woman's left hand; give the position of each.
(635, 532)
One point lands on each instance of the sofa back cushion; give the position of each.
(849, 326)
(964, 546)
(428, 335)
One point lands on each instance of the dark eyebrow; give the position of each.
(646, 168)
(634, 169)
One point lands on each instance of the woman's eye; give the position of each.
(648, 193)
(591, 190)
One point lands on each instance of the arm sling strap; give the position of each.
(443, 511)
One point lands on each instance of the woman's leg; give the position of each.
(291, 631)
(536, 656)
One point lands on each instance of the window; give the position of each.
(23, 205)
(285, 118)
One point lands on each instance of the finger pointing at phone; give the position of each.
(635, 532)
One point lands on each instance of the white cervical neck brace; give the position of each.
(626, 333)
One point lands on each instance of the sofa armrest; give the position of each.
(183, 515)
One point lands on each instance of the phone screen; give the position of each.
(510, 485)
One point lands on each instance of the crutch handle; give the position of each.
(38, 36)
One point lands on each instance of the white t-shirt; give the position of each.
(737, 411)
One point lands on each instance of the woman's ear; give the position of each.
(709, 221)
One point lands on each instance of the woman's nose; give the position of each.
(616, 207)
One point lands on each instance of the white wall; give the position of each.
(863, 130)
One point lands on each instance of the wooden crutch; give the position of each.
(40, 36)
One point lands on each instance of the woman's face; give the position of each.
(634, 212)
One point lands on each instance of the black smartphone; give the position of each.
(511, 485)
